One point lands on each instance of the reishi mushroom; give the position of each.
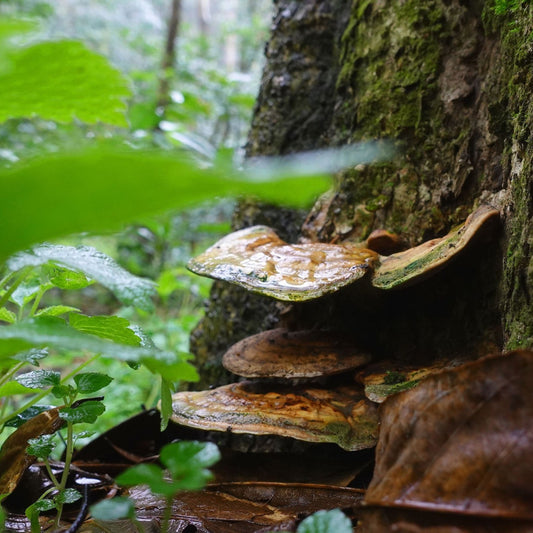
(257, 259)
(342, 416)
(280, 353)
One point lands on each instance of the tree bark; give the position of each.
(451, 83)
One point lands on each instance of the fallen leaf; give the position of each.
(460, 442)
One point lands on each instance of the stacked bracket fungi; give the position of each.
(282, 395)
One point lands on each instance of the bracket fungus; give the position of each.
(257, 259)
(280, 353)
(342, 416)
(416, 263)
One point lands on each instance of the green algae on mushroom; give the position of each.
(342, 416)
(280, 353)
(416, 263)
(257, 259)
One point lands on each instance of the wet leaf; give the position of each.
(57, 310)
(89, 382)
(342, 416)
(68, 496)
(32, 356)
(13, 457)
(130, 289)
(7, 316)
(39, 379)
(87, 412)
(41, 447)
(257, 259)
(461, 441)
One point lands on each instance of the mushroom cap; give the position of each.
(342, 416)
(257, 259)
(279, 353)
(418, 262)
(385, 378)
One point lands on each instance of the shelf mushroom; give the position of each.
(417, 263)
(279, 353)
(257, 259)
(342, 416)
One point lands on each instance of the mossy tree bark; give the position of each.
(451, 82)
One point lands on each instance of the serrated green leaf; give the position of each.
(32, 356)
(27, 414)
(115, 509)
(66, 279)
(87, 412)
(130, 289)
(334, 521)
(57, 310)
(62, 81)
(7, 316)
(67, 496)
(113, 328)
(53, 332)
(39, 379)
(89, 382)
(41, 447)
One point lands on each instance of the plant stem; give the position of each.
(66, 468)
(166, 515)
(11, 372)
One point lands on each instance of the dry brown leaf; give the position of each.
(13, 457)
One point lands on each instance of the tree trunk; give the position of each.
(451, 82)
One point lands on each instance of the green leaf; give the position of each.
(130, 289)
(57, 310)
(166, 403)
(100, 190)
(32, 356)
(63, 391)
(41, 447)
(27, 414)
(67, 496)
(41, 506)
(112, 328)
(187, 462)
(115, 509)
(91, 382)
(62, 81)
(178, 371)
(146, 474)
(12, 387)
(7, 316)
(87, 412)
(334, 521)
(66, 279)
(25, 292)
(53, 332)
(39, 379)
